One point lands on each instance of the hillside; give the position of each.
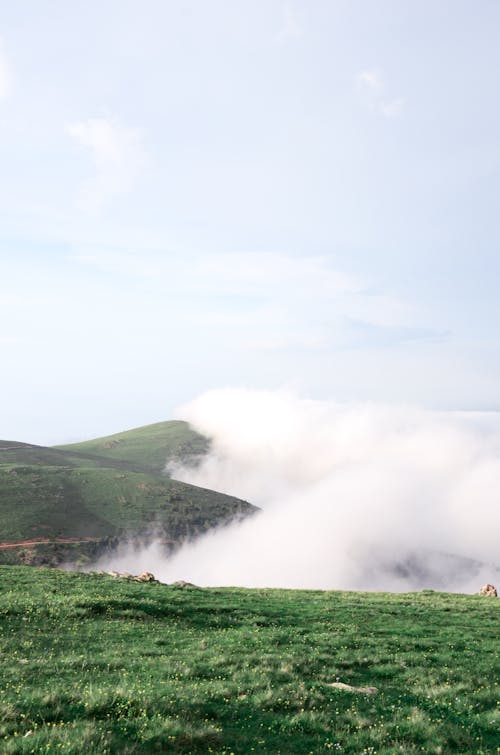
(150, 447)
(96, 665)
(58, 495)
(27, 454)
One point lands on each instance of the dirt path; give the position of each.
(48, 541)
(65, 541)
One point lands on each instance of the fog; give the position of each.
(353, 496)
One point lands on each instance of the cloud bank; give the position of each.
(357, 496)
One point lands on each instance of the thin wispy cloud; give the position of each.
(305, 287)
(392, 108)
(118, 157)
(252, 272)
(244, 273)
(372, 90)
(271, 300)
(370, 80)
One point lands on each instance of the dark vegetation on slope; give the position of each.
(58, 494)
(96, 665)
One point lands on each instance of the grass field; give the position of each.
(96, 665)
(61, 493)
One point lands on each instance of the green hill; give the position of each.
(57, 494)
(95, 665)
(150, 447)
(15, 454)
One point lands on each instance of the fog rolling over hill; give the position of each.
(354, 495)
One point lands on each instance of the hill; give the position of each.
(27, 454)
(96, 665)
(150, 447)
(61, 495)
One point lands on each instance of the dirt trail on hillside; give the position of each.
(48, 541)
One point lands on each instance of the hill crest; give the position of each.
(150, 446)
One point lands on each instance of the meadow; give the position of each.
(92, 664)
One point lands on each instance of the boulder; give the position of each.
(146, 576)
(489, 591)
(181, 583)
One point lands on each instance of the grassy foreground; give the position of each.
(96, 665)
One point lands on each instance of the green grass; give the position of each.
(88, 502)
(150, 446)
(57, 493)
(96, 665)
(25, 454)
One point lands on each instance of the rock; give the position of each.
(181, 583)
(349, 688)
(146, 576)
(489, 591)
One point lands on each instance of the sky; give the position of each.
(196, 195)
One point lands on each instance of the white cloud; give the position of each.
(245, 273)
(371, 88)
(291, 28)
(118, 156)
(123, 262)
(370, 80)
(392, 108)
(303, 289)
(270, 300)
(261, 272)
(5, 78)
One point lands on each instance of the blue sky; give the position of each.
(202, 194)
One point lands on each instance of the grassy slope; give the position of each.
(84, 502)
(150, 446)
(48, 492)
(27, 454)
(100, 666)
